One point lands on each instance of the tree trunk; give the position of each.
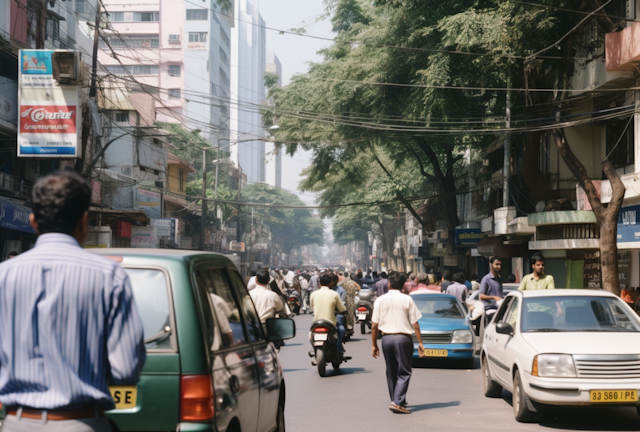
(607, 217)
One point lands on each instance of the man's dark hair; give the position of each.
(375, 274)
(263, 277)
(13, 254)
(383, 275)
(511, 278)
(459, 277)
(397, 280)
(325, 279)
(494, 258)
(359, 275)
(59, 200)
(537, 257)
(474, 277)
(253, 272)
(335, 278)
(446, 275)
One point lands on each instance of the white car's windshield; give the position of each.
(439, 308)
(577, 314)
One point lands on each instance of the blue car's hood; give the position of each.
(442, 324)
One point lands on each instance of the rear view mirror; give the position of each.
(505, 328)
(279, 329)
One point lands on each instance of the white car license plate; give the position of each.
(362, 316)
(320, 336)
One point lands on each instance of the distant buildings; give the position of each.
(273, 159)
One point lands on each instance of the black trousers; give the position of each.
(398, 354)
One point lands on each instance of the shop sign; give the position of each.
(429, 262)
(469, 237)
(165, 226)
(628, 228)
(591, 272)
(149, 202)
(8, 102)
(197, 46)
(439, 249)
(48, 114)
(186, 242)
(144, 237)
(451, 261)
(15, 216)
(236, 246)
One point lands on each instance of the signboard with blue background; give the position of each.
(628, 229)
(469, 237)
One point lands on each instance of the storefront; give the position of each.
(16, 232)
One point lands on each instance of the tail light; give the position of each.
(362, 309)
(196, 398)
(321, 330)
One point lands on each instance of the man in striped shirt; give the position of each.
(68, 323)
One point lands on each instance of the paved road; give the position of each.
(442, 397)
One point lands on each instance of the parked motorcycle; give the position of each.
(294, 300)
(364, 307)
(324, 337)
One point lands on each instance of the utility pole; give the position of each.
(215, 190)
(507, 154)
(87, 119)
(203, 219)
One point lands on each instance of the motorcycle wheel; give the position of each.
(363, 327)
(320, 359)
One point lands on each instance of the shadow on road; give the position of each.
(293, 344)
(293, 370)
(346, 371)
(433, 363)
(436, 405)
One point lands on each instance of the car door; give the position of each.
(506, 345)
(499, 369)
(266, 359)
(234, 368)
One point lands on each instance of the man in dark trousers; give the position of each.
(69, 326)
(395, 314)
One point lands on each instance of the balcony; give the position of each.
(623, 49)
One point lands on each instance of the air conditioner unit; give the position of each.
(66, 66)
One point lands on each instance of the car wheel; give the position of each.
(491, 388)
(520, 402)
(320, 358)
(363, 327)
(280, 419)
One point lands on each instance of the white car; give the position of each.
(562, 347)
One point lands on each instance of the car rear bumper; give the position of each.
(455, 351)
(573, 391)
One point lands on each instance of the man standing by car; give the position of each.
(69, 326)
(491, 285)
(537, 280)
(396, 316)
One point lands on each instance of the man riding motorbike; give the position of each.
(324, 303)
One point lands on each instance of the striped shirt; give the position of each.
(68, 327)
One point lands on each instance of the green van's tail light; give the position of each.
(196, 398)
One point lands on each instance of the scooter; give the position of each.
(294, 300)
(324, 337)
(364, 307)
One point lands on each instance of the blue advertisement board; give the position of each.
(469, 237)
(36, 62)
(628, 229)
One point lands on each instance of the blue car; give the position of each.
(445, 328)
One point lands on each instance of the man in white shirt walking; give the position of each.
(267, 302)
(396, 316)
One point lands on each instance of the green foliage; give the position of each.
(290, 227)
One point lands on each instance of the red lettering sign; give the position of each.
(47, 119)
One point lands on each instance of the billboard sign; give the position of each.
(149, 202)
(144, 237)
(48, 114)
(469, 237)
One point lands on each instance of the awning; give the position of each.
(15, 216)
(495, 246)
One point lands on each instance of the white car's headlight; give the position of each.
(553, 365)
(462, 337)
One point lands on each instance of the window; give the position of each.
(52, 32)
(150, 289)
(198, 37)
(132, 69)
(439, 308)
(174, 70)
(180, 179)
(222, 303)
(174, 93)
(174, 38)
(81, 6)
(224, 58)
(122, 117)
(134, 16)
(224, 37)
(254, 327)
(224, 78)
(620, 146)
(197, 14)
(511, 317)
(132, 41)
(157, 142)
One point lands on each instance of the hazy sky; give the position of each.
(295, 52)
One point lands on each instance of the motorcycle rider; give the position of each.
(305, 291)
(324, 303)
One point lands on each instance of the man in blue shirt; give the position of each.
(491, 285)
(68, 324)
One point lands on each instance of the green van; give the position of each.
(210, 364)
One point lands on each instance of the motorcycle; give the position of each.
(294, 300)
(364, 307)
(324, 337)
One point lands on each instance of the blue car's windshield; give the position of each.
(439, 307)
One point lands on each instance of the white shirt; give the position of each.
(395, 313)
(252, 283)
(267, 302)
(303, 284)
(289, 277)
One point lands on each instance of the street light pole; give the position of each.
(204, 196)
